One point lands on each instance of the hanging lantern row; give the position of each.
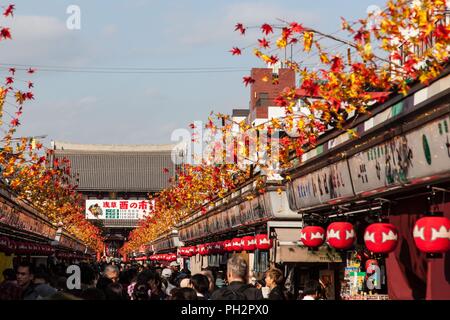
(20, 247)
(431, 235)
(70, 255)
(247, 243)
(163, 257)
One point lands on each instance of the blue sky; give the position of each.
(144, 108)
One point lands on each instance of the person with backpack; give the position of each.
(238, 288)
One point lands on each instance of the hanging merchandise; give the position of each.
(341, 235)
(432, 234)
(263, 242)
(312, 236)
(381, 237)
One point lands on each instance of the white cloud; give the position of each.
(43, 40)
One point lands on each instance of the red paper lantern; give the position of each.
(182, 251)
(432, 234)
(237, 244)
(209, 248)
(341, 235)
(228, 246)
(249, 243)
(172, 257)
(263, 242)
(312, 236)
(21, 247)
(192, 251)
(218, 247)
(381, 237)
(202, 249)
(4, 244)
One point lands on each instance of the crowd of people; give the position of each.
(102, 281)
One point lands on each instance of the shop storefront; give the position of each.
(25, 235)
(165, 248)
(385, 194)
(237, 224)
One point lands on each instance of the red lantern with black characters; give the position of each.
(312, 236)
(381, 237)
(237, 244)
(249, 243)
(263, 242)
(228, 246)
(432, 234)
(341, 235)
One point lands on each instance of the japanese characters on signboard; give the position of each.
(412, 158)
(14, 217)
(422, 153)
(327, 184)
(117, 209)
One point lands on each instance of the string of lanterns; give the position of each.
(431, 235)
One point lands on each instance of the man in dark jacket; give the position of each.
(25, 277)
(238, 289)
